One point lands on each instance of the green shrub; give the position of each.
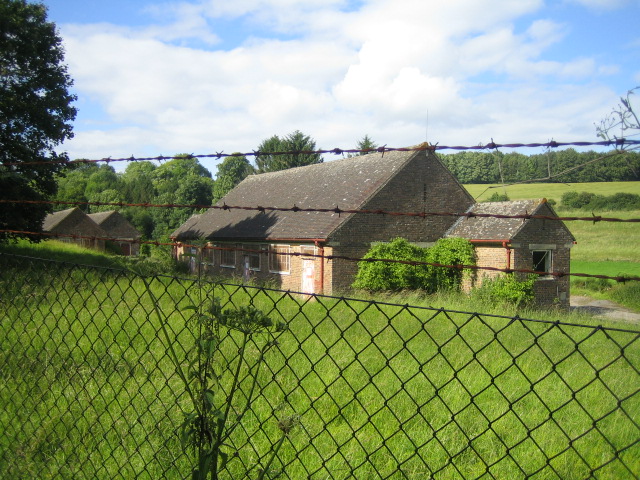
(506, 289)
(376, 276)
(591, 201)
(498, 197)
(385, 276)
(449, 251)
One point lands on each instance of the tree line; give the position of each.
(562, 166)
(182, 180)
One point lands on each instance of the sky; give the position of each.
(205, 76)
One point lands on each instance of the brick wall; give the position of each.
(289, 280)
(423, 185)
(542, 235)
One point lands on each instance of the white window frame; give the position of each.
(276, 255)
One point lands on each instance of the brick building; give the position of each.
(74, 222)
(520, 244)
(278, 246)
(125, 235)
(412, 181)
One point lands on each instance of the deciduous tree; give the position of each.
(35, 112)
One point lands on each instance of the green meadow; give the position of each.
(381, 389)
(550, 191)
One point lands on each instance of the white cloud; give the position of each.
(377, 70)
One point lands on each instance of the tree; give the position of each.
(623, 119)
(366, 144)
(137, 182)
(168, 177)
(231, 172)
(298, 147)
(35, 112)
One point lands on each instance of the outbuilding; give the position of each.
(540, 244)
(74, 226)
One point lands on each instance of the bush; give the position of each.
(587, 200)
(449, 251)
(381, 276)
(507, 289)
(498, 197)
(376, 276)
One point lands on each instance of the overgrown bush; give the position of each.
(506, 289)
(377, 276)
(449, 251)
(388, 276)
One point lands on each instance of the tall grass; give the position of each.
(383, 390)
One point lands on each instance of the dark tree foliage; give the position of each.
(35, 112)
(298, 145)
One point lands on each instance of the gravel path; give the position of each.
(604, 309)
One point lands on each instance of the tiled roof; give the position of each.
(492, 228)
(52, 220)
(347, 183)
(115, 224)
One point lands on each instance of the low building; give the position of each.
(284, 246)
(542, 245)
(74, 226)
(118, 228)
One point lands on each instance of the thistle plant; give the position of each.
(217, 408)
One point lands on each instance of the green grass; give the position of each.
(382, 390)
(550, 190)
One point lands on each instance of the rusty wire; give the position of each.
(617, 143)
(619, 279)
(337, 210)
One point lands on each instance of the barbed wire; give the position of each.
(335, 210)
(415, 263)
(617, 143)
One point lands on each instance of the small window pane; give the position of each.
(279, 259)
(228, 257)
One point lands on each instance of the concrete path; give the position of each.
(604, 309)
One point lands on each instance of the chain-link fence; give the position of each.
(90, 361)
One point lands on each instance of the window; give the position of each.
(254, 256)
(542, 260)
(208, 256)
(306, 250)
(228, 257)
(279, 259)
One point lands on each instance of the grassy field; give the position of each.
(382, 390)
(551, 190)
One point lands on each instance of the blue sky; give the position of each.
(205, 76)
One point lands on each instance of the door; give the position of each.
(308, 276)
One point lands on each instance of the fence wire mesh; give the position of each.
(378, 390)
